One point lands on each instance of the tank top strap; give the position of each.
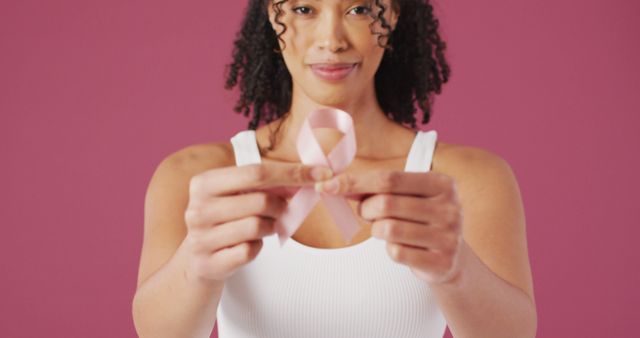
(421, 153)
(420, 156)
(245, 148)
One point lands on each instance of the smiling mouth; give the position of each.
(333, 72)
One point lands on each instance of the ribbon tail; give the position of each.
(298, 208)
(342, 215)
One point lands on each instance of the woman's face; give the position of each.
(329, 47)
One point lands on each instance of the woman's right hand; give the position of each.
(232, 208)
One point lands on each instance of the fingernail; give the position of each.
(377, 231)
(321, 173)
(328, 186)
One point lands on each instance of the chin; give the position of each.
(331, 95)
(334, 99)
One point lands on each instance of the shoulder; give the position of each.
(452, 154)
(470, 163)
(480, 175)
(170, 181)
(194, 159)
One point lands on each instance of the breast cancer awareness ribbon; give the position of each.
(338, 159)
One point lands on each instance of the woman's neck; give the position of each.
(377, 136)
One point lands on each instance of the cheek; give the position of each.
(372, 52)
(294, 40)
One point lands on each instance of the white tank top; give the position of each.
(300, 291)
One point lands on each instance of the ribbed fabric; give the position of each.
(299, 291)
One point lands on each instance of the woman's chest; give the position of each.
(291, 291)
(318, 230)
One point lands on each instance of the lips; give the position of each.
(332, 66)
(333, 71)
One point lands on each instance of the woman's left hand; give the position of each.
(418, 214)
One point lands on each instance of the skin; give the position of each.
(339, 31)
(421, 215)
(459, 227)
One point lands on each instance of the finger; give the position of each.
(224, 209)
(235, 232)
(231, 258)
(432, 262)
(418, 235)
(234, 179)
(410, 208)
(283, 192)
(388, 181)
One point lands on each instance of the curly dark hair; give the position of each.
(412, 69)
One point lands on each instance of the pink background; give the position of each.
(93, 94)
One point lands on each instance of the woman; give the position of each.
(211, 211)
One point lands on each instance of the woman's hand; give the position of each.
(232, 208)
(418, 214)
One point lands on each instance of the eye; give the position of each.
(301, 10)
(362, 10)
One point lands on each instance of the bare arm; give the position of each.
(200, 229)
(494, 296)
(473, 257)
(168, 303)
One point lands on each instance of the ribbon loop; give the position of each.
(338, 160)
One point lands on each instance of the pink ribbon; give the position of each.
(311, 153)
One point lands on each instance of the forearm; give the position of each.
(479, 304)
(170, 305)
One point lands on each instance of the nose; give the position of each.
(331, 33)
